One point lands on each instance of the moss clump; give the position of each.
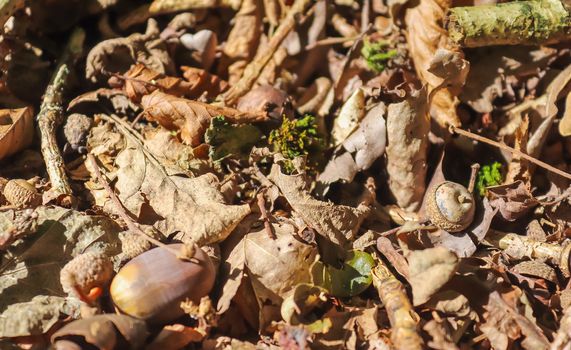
(377, 55)
(295, 138)
(489, 175)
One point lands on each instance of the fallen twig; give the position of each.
(511, 23)
(254, 68)
(51, 116)
(404, 333)
(455, 130)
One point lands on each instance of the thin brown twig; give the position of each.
(121, 209)
(331, 41)
(264, 215)
(51, 116)
(473, 177)
(455, 130)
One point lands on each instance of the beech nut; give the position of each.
(450, 206)
(153, 284)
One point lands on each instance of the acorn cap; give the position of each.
(86, 271)
(450, 206)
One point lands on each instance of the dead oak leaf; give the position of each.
(141, 80)
(336, 223)
(168, 199)
(192, 118)
(429, 270)
(513, 200)
(504, 325)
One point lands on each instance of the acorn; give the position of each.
(153, 285)
(20, 193)
(87, 275)
(450, 206)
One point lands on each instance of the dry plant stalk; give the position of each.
(404, 333)
(254, 68)
(523, 247)
(511, 23)
(51, 116)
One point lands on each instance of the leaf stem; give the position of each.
(455, 130)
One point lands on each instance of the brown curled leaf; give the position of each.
(118, 54)
(192, 118)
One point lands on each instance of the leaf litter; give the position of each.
(304, 151)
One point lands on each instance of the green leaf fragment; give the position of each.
(227, 139)
(353, 278)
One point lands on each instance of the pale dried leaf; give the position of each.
(407, 133)
(425, 36)
(278, 264)
(430, 269)
(245, 34)
(192, 118)
(16, 130)
(350, 115)
(360, 149)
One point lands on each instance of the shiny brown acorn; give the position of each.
(450, 206)
(153, 284)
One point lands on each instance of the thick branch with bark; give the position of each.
(51, 116)
(512, 23)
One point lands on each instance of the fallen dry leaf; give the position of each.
(513, 200)
(425, 36)
(192, 118)
(429, 270)
(16, 130)
(505, 324)
(407, 137)
(360, 149)
(276, 266)
(192, 206)
(349, 118)
(117, 55)
(336, 223)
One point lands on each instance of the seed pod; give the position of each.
(21, 193)
(450, 206)
(152, 285)
(87, 275)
